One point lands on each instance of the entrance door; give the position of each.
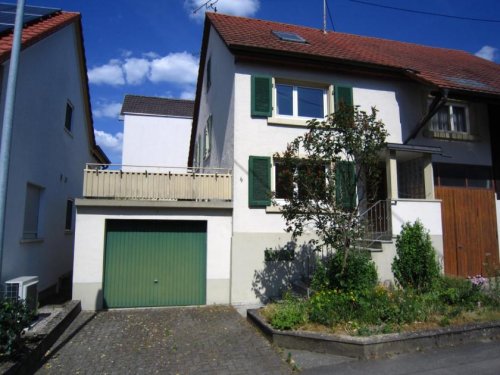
(469, 230)
(155, 263)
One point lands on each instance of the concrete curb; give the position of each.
(40, 341)
(379, 345)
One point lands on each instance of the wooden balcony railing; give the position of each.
(137, 183)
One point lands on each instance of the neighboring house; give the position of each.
(52, 139)
(258, 84)
(156, 133)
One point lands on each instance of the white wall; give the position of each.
(156, 141)
(44, 153)
(90, 243)
(219, 102)
(254, 136)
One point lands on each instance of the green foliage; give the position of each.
(456, 291)
(284, 254)
(342, 152)
(320, 277)
(14, 317)
(359, 273)
(415, 265)
(289, 313)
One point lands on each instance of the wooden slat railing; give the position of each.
(118, 184)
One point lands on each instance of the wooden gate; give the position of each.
(469, 230)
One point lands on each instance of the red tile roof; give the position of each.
(36, 31)
(444, 68)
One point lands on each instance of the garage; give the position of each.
(154, 263)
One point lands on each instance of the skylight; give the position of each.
(289, 37)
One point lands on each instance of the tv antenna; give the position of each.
(208, 5)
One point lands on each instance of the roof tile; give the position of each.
(36, 31)
(444, 68)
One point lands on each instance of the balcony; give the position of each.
(121, 182)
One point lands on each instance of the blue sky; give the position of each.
(152, 47)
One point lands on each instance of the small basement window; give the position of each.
(289, 37)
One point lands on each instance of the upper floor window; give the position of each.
(290, 102)
(300, 101)
(452, 117)
(209, 73)
(68, 226)
(69, 116)
(31, 212)
(309, 177)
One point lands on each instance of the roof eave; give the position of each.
(199, 87)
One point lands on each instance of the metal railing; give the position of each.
(113, 181)
(377, 221)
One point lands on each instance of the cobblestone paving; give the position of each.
(206, 340)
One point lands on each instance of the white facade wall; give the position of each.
(90, 244)
(218, 101)
(153, 140)
(45, 154)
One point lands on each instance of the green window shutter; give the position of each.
(261, 96)
(345, 185)
(259, 181)
(343, 95)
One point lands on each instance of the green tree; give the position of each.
(415, 264)
(323, 177)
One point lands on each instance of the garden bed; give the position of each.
(376, 346)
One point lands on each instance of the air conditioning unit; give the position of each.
(24, 287)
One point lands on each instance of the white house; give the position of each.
(156, 133)
(259, 82)
(52, 139)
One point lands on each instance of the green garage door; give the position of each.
(155, 263)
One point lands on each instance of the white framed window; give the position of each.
(284, 177)
(300, 100)
(452, 117)
(32, 212)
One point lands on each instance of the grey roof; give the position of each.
(157, 106)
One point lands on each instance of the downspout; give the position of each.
(439, 100)
(8, 119)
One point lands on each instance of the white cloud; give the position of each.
(109, 74)
(487, 52)
(176, 67)
(188, 94)
(111, 110)
(136, 70)
(151, 55)
(109, 142)
(243, 8)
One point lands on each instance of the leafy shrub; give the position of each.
(415, 264)
(289, 313)
(359, 273)
(320, 277)
(329, 307)
(456, 291)
(15, 315)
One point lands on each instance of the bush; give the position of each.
(359, 273)
(415, 265)
(15, 315)
(461, 292)
(289, 313)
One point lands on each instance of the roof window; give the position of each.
(289, 37)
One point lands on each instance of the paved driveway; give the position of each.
(208, 340)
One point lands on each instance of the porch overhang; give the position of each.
(414, 148)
